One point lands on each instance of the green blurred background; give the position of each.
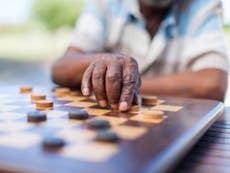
(47, 30)
(45, 33)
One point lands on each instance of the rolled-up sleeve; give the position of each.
(90, 30)
(205, 45)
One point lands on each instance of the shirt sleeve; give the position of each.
(206, 46)
(90, 30)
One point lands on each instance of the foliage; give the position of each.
(57, 13)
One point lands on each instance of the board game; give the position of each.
(138, 144)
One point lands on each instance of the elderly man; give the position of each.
(175, 47)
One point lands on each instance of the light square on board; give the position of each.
(79, 136)
(169, 108)
(92, 151)
(19, 140)
(60, 123)
(71, 98)
(80, 104)
(97, 112)
(130, 132)
(7, 108)
(14, 126)
(10, 116)
(114, 121)
(56, 114)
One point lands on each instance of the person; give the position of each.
(163, 47)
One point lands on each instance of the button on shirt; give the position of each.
(190, 38)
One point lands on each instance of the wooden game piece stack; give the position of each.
(44, 104)
(148, 101)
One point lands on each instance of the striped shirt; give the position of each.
(189, 38)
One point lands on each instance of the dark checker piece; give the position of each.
(107, 136)
(53, 142)
(36, 116)
(78, 114)
(98, 124)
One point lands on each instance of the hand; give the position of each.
(115, 80)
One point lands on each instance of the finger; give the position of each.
(98, 82)
(129, 85)
(113, 84)
(86, 85)
(135, 99)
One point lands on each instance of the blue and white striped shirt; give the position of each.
(190, 37)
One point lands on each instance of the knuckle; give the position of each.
(114, 77)
(132, 61)
(130, 79)
(98, 76)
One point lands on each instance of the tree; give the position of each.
(57, 13)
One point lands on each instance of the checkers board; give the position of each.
(145, 145)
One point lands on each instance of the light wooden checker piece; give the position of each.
(26, 90)
(149, 116)
(59, 92)
(37, 97)
(151, 100)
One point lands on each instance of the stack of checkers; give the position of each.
(39, 99)
(44, 104)
(134, 109)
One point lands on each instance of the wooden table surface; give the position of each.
(212, 153)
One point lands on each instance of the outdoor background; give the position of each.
(41, 29)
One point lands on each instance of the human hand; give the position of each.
(115, 80)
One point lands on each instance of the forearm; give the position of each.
(69, 69)
(209, 84)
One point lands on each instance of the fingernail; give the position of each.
(123, 106)
(102, 103)
(114, 106)
(85, 92)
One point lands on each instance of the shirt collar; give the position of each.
(168, 22)
(134, 9)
